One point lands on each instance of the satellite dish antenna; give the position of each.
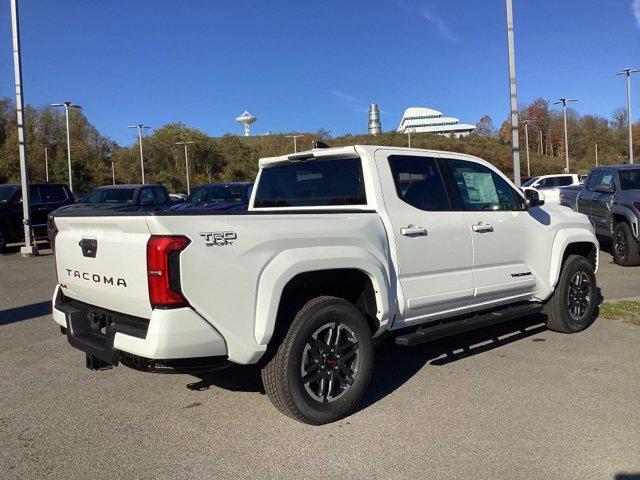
(246, 119)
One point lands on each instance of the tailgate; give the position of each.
(114, 274)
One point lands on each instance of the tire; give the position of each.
(624, 247)
(577, 283)
(338, 380)
(3, 243)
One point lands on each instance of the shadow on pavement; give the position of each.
(394, 365)
(26, 312)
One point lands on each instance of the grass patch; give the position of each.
(627, 310)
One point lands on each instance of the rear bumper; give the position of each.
(168, 335)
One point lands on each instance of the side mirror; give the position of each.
(534, 198)
(605, 188)
(146, 201)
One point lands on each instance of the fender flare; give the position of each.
(628, 214)
(286, 265)
(563, 239)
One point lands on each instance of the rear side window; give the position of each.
(629, 179)
(482, 189)
(565, 181)
(418, 182)
(52, 193)
(312, 184)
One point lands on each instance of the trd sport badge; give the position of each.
(218, 239)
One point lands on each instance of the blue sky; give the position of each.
(309, 65)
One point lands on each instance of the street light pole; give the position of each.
(513, 95)
(409, 137)
(29, 248)
(67, 105)
(628, 72)
(596, 144)
(186, 162)
(140, 127)
(295, 141)
(46, 164)
(526, 141)
(564, 102)
(113, 172)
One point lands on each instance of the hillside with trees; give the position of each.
(232, 158)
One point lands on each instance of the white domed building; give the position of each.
(427, 120)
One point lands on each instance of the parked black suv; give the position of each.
(610, 197)
(45, 198)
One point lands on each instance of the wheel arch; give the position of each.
(572, 242)
(352, 273)
(623, 214)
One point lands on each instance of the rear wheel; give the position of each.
(572, 308)
(322, 367)
(625, 248)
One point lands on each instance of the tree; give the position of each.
(485, 127)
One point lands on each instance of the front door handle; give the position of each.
(413, 231)
(482, 227)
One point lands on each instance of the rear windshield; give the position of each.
(217, 194)
(630, 179)
(110, 195)
(312, 184)
(6, 191)
(530, 182)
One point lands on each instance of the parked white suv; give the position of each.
(339, 246)
(550, 185)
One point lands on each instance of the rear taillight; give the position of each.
(163, 270)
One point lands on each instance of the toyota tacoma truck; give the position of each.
(610, 197)
(339, 248)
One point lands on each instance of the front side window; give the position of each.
(145, 195)
(629, 179)
(52, 193)
(312, 183)
(110, 195)
(594, 179)
(216, 194)
(547, 183)
(418, 182)
(160, 196)
(482, 189)
(608, 179)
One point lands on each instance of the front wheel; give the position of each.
(572, 307)
(625, 248)
(322, 367)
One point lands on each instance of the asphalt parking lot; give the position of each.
(510, 402)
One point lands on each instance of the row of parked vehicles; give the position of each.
(609, 196)
(49, 197)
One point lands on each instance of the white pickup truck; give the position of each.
(339, 247)
(550, 185)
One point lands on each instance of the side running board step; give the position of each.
(453, 327)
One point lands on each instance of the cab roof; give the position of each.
(346, 152)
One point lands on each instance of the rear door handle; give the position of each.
(413, 231)
(482, 227)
